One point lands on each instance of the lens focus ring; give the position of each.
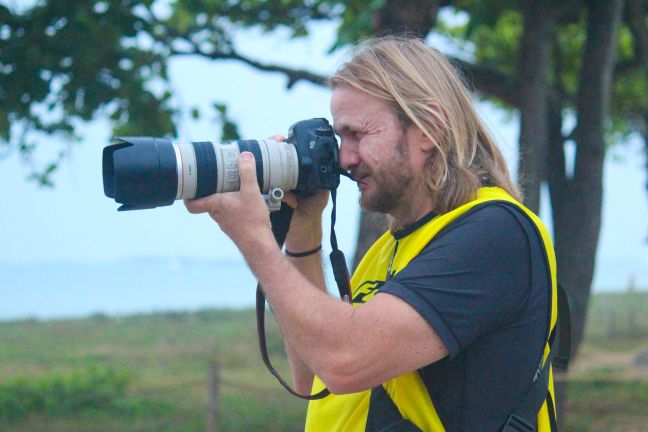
(206, 168)
(253, 147)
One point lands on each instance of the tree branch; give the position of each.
(484, 79)
(172, 35)
(490, 82)
(293, 75)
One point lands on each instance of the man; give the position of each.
(453, 305)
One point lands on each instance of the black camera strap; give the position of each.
(280, 221)
(338, 261)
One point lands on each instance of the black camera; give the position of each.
(146, 172)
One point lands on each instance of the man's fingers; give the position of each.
(247, 175)
(290, 199)
(278, 137)
(201, 205)
(247, 172)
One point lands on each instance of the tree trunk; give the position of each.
(535, 48)
(556, 176)
(415, 17)
(577, 201)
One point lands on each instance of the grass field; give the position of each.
(148, 373)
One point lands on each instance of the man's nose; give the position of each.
(348, 156)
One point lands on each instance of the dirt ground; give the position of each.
(602, 363)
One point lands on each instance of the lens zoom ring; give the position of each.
(253, 147)
(206, 168)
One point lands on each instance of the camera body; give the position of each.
(317, 152)
(146, 172)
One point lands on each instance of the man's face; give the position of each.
(374, 148)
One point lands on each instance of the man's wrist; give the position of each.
(258, 245)
(304, 236)
(307, 241)
(303, 254)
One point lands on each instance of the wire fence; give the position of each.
(211, 385)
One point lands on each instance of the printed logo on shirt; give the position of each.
(366, 291)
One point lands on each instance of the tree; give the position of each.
(556, 77)
(66, 62)
(579, 59)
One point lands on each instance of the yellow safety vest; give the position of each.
(348, 412)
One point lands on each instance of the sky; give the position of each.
(75, 222)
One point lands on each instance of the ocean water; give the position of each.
(58, 290)
(64, 289)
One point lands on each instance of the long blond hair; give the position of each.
(425, 90)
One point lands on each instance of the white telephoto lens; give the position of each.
(227, 166)
(187, 171)
(281, 168)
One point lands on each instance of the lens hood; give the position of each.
(140, 172)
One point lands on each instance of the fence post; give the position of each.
(634, 301)
(612, 327)
(213, 412)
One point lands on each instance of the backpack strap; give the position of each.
(564, 321)
(384, 416)
(524, 417)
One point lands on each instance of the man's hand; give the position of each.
(242, 215)
(306, 226)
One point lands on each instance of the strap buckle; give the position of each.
(516, 423)
(560, 362)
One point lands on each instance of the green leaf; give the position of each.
(229, 129)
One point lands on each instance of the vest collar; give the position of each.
(402, 233)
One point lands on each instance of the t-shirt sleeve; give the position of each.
(472, 278)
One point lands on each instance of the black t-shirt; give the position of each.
(484, 287)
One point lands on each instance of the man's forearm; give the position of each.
(302, 238)
(315, 324)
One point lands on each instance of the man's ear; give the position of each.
(422, 142)
(437, 117)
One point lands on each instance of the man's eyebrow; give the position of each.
(339, 129)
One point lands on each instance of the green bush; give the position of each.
(61, 395)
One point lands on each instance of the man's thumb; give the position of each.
(247, 172)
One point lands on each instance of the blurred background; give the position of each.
(142, 320)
